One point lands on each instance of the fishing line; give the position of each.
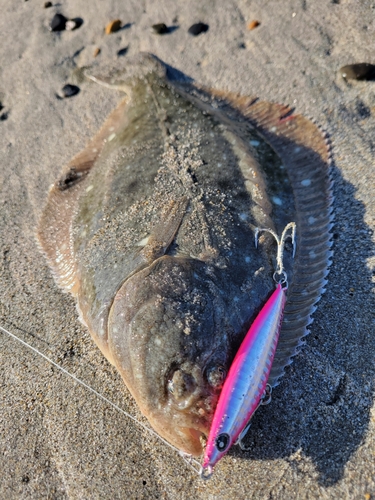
(187, 458)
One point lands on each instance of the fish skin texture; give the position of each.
(151, 229)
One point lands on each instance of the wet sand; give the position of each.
(57, 440)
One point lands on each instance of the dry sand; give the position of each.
(59, 441)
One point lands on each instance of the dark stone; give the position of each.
(160, 28)
(69, 90)
(47, 5)
(58, 23)
(359, 71)
(122, 52)
(198, 28)
(363, 110)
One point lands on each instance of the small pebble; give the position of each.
(58, 23)
(160, 28)
(47, 5)
(122, 52)
(360, 71)
(363, 110)
(253, 24)
(198, 28)
(96, 51)
(113, 26)
(73, 24)
(69, 90)
(70, 25)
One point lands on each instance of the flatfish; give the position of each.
(151, 229)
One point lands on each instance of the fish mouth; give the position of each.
(193, 441)
(182, 433)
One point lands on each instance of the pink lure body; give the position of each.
(246, 380)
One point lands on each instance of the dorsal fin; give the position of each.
(54, 229)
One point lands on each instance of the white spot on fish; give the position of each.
(111, 129)
(255, 143)
(219, 165)
(89, 188)
(312, 254)
(94, 150)
(306, 182)
(243, 216)
(143, 242)
(311, 219)
(157, 341)
(247, 259)
(297, 149)
(258, 271)
(277, 201)
(273, 129)
(111, 137)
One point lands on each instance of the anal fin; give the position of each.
(305, 153)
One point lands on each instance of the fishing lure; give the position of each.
(245, 387)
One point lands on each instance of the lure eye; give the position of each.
(216, 376)
(222, 442)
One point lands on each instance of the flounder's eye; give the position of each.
(222, 442)
(216, 376)
(181, 384)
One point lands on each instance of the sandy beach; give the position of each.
(58, 440)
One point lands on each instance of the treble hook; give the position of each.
(265, 400)
(280, 249)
